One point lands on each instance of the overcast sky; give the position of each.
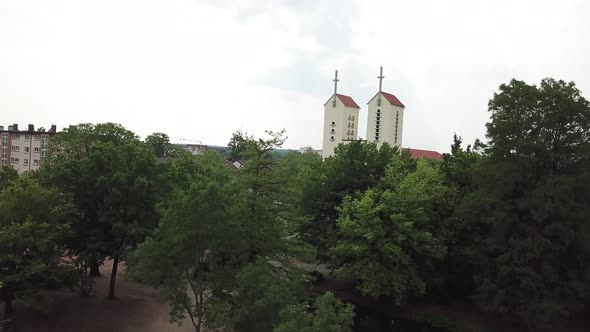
(203, 69)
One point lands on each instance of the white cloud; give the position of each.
(202, 69)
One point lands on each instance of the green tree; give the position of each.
(389, 238)
(159, 144)
(327, 314)
(7, 176)
(33, 228)
(239, 143)
(261, 201)
(353, 169)
(531, 201)
(191, 254)
(110, 175)
(456, 273)
(261, 291)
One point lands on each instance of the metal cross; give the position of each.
(335, 82)
(380, 77)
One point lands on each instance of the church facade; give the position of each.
(341, 115)
(384, 123)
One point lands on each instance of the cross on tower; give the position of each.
(335, 87)
(335, 81)
(380, 77)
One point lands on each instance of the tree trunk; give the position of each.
(94, 267)
(113, 277)
(8, 309)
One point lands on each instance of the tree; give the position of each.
(530, 204)
(261, 202)
(159, 144)
(261, 291)
(327, 314)
(7, 176)
(110, 175)
(353, 169)
(33, 226)
(238, 144)
(456, 272)
(192, 249)
(389, 237)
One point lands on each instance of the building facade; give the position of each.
(341, 115)
(24, 150)
(385, 121)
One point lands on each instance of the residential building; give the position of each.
(24, 150)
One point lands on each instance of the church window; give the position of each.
(333, 123)
(332, 131)
(376, 138)
(331, 138)
(352, 132)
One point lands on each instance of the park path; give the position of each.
(137, 309)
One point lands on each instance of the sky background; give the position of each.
(200, 70)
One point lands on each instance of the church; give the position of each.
(385, 121)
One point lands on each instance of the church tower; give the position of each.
(341, 114)
(386, 117)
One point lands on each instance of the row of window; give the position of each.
(27, 137)
(16, 148)
(350, 124)
(25, 161)
(377, 124)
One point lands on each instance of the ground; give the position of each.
(136, 309)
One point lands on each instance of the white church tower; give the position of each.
(385, 122)
(341, 114)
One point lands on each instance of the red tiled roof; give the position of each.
(392, 99)
(417, 154)
(347, 101)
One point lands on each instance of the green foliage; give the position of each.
(388, 236)
(7, 176)
(354, 168)
(261, 292)
(328, 314)
(193, 249)
(159, 144)
(111, 175)
(32, 234)
(220, 254)
(528, 214)
(261, 198)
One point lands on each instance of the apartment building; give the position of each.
(24, 150)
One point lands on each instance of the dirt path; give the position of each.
(137, 309)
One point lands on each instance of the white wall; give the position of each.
(338, 115)
(387, 125)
